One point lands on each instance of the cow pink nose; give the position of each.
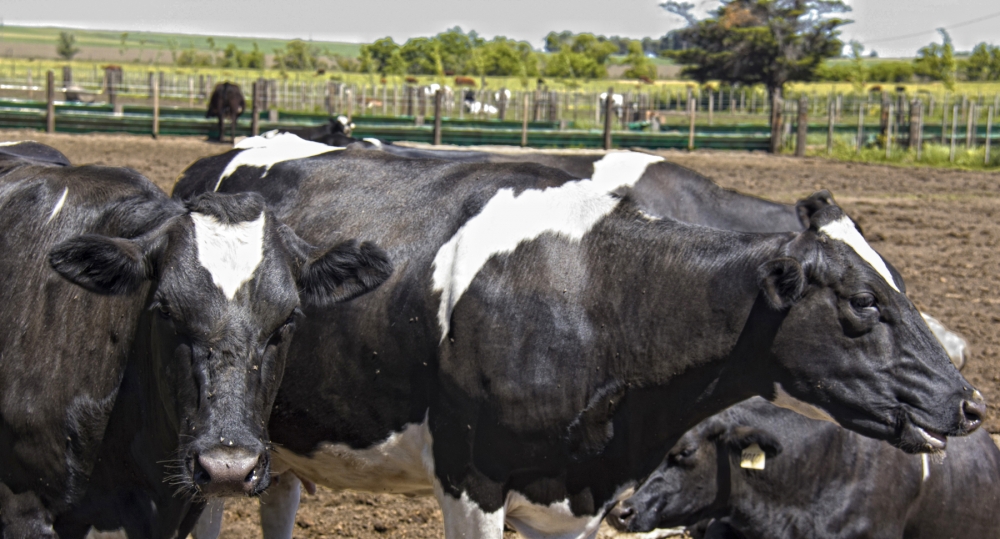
(226, 472)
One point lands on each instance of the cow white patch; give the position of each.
(230, 253)
(569, 210)
(464, 518)
(59, 205)
(267, 150)
(553, 521)
(926, 465)
(373, 141)
(400, 464)
(843, 229)
(788, 402)
(14, 142)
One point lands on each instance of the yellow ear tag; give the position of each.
(752, 458)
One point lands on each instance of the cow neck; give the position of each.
(684, 327)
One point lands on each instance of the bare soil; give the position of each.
(939, 227)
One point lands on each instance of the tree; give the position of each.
(983, 64)
(382, 57)
(297, 55)
(681, 9)
(173, 46)
(555, 41)
(66, 47)
(123, 44)
(769, 42)
(640, 66)
(937, 62)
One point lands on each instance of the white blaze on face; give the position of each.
(569, 210)
(265, 151)
(59, 205)
(230, 253)
(843, 229)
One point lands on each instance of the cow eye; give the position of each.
(686, 453)
(162, 310)
(862, 302)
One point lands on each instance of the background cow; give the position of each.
(545, 341)
(818, 480)
(226, 103)
(142, 341)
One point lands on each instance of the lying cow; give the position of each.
(142, 341)
(226, 103)
(544, 341)
(818, 480)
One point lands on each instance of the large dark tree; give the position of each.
(769, 42)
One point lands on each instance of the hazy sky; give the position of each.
(879, 22)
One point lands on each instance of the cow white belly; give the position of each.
(555, 521)
(401, 464)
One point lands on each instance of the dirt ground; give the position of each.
(940, 228)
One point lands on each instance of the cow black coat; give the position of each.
(819, 480)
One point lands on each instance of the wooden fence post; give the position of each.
(989, 132)
(888, 131)
(954, 127)
(692, 109)
(861, 128)
(802, 127)
(913, 141)
(524, 119)
(255, 109)
(608, 107)
(156, 107)
(970, 126)
(711, 105)
(831, 109)
(50, 99)
(944, 120)
(437, 117)
(776, 117)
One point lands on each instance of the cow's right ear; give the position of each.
(782, 281)
(344, 272)
(104, 265)
(807, 207)
(741, 437)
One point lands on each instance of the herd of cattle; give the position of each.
(529, 338)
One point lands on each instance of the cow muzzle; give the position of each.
(230, 472)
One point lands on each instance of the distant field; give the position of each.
(105, 45)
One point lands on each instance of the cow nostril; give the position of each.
(973, 412)
(624, 514)
(226, 472)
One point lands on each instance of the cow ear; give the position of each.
(741, 437)
(783, 281)
(102, 264)
(807, 207)
(344, 272)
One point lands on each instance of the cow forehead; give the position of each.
(230, 252)
(843, 229)
(569, 210)
(265, 151)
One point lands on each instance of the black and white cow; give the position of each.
(670, 190)
(818, 480)
(226, 103)
(142, 341)
(543, 342)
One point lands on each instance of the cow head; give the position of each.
(853, 345)
(694, 481)
(227, 282)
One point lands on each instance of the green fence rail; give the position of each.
(138, 119)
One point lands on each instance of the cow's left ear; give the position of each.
(106, 265)
(741, 437)
(344, 272)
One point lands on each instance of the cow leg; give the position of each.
(278, 505)
(222, 118)
(464, 519)
(209, 524)
(232, 128)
